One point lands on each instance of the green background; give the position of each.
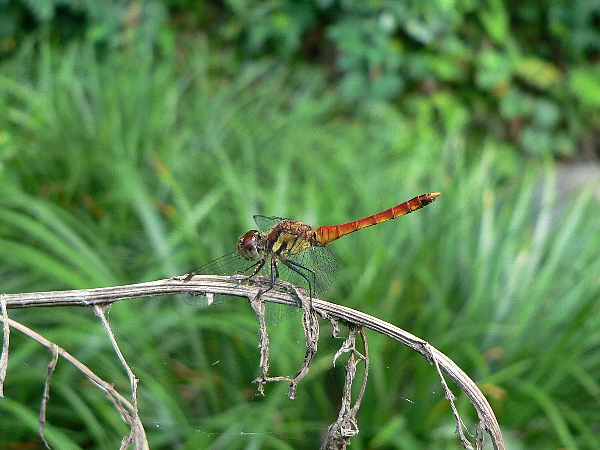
(138, 139)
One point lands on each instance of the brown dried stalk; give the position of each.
(215, 285)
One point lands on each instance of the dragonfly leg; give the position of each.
(259, 265)
(189, 276)
(297, 268)
(274, 273)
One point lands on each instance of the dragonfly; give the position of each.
(292, 251)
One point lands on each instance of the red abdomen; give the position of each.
(327, 234)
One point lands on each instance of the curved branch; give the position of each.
(225, 285)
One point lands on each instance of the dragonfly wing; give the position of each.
(266, 222)
(231, 264)
(316, 265)
(325, 267)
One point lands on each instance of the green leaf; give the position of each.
(493, 69)
(42, 10)
(496, 21)
(584, 83)
(538, 73)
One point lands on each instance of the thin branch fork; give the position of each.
(123, 405)
(225, 285)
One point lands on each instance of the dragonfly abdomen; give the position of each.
(327, 234)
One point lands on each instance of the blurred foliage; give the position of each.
(105, 23)
(130, 153)
(528, 71)
(129, 165)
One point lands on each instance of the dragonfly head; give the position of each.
(249, 245)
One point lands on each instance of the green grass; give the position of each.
(128, 167)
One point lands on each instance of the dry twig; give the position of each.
(345, 427)
(5, 342)
(215, 285)
(137, 434)
(121, 404)
(46, 395)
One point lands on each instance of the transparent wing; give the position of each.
(230, 264)
(234, 263)
(266, 222)
(314, 269)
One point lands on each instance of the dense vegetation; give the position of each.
(137, 141)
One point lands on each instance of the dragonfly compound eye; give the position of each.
(248, 245)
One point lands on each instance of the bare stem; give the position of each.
(225, 286)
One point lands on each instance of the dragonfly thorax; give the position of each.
(250, 245)
(290, 238)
